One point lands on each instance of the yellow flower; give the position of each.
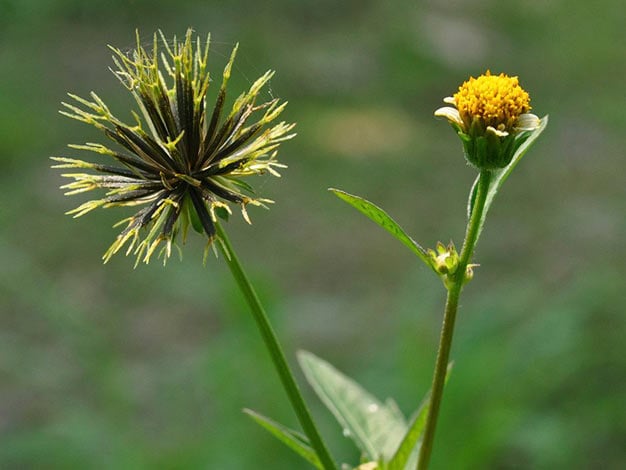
(491, 115)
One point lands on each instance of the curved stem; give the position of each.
(447, 330)
(275, 351)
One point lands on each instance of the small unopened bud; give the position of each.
(469, 272)
(445, 260)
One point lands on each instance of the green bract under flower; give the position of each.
(491, 116)
(182, 161)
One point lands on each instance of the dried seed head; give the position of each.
(182, 160)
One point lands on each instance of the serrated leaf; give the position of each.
(292, 439)
(499, 176)
(383, 219)
(407, 453)
(375, 427)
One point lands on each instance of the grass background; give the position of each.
(109, 367)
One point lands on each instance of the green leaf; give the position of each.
(293, 439)
(409, 447)
(375, 427)
(500, 176)
(383, 219)
(407, 453)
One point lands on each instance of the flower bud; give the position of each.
(445, 260)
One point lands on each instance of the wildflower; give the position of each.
(491, 116)
(181, 161)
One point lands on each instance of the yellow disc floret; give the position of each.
(496, 100)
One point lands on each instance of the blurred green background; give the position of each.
(110, 367)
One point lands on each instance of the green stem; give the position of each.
(454, 287)
(275, 351)
(474, 224)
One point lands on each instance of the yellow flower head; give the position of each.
(491, 116)
(497, 100)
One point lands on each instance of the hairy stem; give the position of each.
(447, 330)
(273, 347)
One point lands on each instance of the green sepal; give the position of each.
(524, 141)
(222, 213)
(292, 439)
(489, 151)
(407, 453)
(375, 427)
(458, 129)
(191, 215)
(479, 156)
(464, 137)
(238, 182)
(383, 219)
